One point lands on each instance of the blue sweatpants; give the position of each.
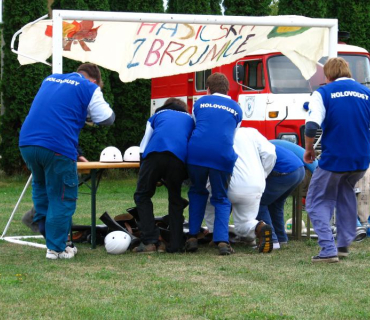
(198, 196)
(329, 190)
(54, 192)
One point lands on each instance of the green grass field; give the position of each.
(203, 285)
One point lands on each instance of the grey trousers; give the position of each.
(328, 191)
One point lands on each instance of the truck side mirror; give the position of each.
(238, 73)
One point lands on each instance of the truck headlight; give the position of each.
(291, 137)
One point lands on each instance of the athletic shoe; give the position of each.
(71, 248)
(142, 248)
(343, 252)
(330, 259)
(224, 249)
(191, 245)
(264, 234)
(51, 254)
(68, 253)
(276, 246)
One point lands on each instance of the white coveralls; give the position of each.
(256, 158)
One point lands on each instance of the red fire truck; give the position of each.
(268, 86)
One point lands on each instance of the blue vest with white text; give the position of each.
(211, 144)
(58, 113)
(346, 128)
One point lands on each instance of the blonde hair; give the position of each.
(336, 68)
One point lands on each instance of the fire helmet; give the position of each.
(117, 242)
(111, 154)
(289, 226)
(132, 154)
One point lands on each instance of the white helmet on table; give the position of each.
(117, 242)
(132, 154)
(111, 154)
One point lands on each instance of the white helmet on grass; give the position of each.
(117, 242)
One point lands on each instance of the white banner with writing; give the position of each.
(150, 50)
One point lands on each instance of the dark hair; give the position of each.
(177, 101)
(173, 104)
(217, 83)
(92, 71)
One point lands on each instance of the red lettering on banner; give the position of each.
(153, 25)
(167, 51)
(154, 51)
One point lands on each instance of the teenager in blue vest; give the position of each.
(342, 109)
(48, 143)
(164, 153)
(211, 157)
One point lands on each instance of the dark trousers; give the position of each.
(157, 166)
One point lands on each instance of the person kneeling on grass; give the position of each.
(164, 152)
(256, 158)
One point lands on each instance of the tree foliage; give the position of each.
(312, 9)
(19, 83)
(247, 7)
(353, 16)
(190, 6)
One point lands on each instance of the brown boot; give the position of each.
(264, 234)
(191, 245)
(224, 249)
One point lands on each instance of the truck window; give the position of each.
(360, 67)
(285, 77)
(254, 77)
(200, 79)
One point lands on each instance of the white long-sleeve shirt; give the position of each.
(256, 158)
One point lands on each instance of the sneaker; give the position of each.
(161, 247)
(68, 253)
(264, 234)
(51, 254)
(276, 246)
(330, 259)
(71, 248)
(145, 248)
(191, 245)
(224, 249)
(343, 252)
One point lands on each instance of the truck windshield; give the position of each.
(284, 76)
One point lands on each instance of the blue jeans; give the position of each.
(271, 211)
(198, 196)
(54, 192)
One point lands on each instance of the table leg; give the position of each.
(93, 209)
